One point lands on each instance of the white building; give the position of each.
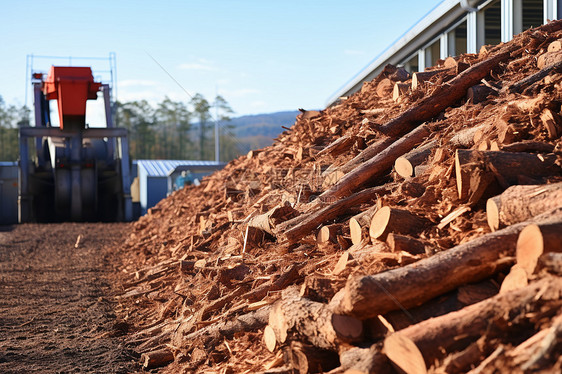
(455, 27)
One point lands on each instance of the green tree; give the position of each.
(11, 118)
(138, 118)
(229, 147)
(173, 124)
(201, 110)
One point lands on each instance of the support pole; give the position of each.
(24, 205)
(125, 179)
(75, 177)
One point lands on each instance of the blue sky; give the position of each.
(261, 56)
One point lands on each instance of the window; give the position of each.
(532, 13)
(412, 64)
(492, 23)
(457, 40)
(432, 53)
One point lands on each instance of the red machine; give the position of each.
(71, 87)
(77, 172)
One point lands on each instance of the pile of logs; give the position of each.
(415, 226)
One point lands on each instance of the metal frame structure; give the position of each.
(111, 69)
(437, 25)
(75, 183)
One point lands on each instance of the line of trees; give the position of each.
(178, 130)
(169, 130)
(11, 118)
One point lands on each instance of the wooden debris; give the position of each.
(404, 354)
(394, 220)
(154, 359)
(519, 203)
(399, 90)
(441, 98)
(536, 239)
(369, 296)
(506, 166)
(517, 278)
(313, 220)
(360, 223)
(376, 166)
(433, 283)
(399, 243)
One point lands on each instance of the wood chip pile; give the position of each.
(414, 226)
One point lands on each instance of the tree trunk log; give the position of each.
(536, 239)
(401, 221)
(549, 58)
(459, 66)
(551, 122)
(365, 360)
(508, 166)
(465, 137)
(337, 147)
(440, 334)
(400, 89)
(404, 354)
(359, 224)
(528, 146)
(405, 165)
(296, 318)
(555, 46)
(523, 83)
(251, 321)
(442, 98)
(308, 359)
(376, 166)
(384, 88)
(266, 222)
(516, 279)
(479, 93)
(423, 76)
(367, 154)
(154, 359)
(315, 219)
(328, 234)
(454, 331)
(367, 296)
(398, 243)
(550, 262)
(520, 203)
(455, 300)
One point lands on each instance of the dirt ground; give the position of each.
(56, 308)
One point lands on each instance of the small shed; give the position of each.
(8, 193)
(154, 177)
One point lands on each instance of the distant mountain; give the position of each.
(267, 124)
(258, 130)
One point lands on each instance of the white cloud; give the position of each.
(152, 96)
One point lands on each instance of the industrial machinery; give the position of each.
(72, 172)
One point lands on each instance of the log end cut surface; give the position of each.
(379, 222)
(530, 247)
(403, 167)
(492, 214)
(355, 231)
(404, 353)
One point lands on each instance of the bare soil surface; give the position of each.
(56, 308)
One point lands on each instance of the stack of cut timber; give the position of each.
(375, 236)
